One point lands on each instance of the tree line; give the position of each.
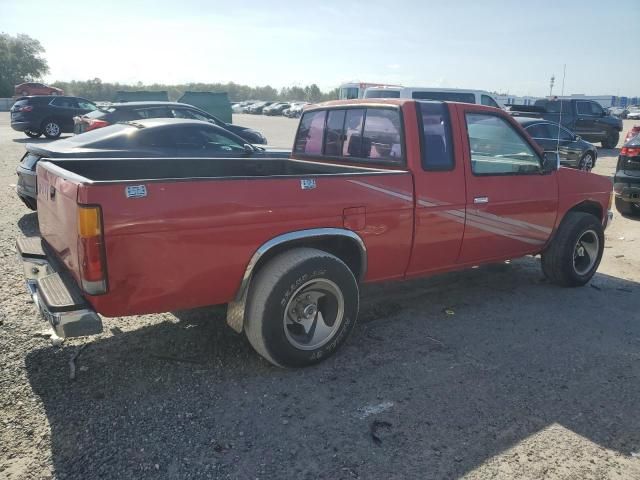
(97, 90)
(22, 60)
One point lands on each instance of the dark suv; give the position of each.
(50, 115)
(124, 112)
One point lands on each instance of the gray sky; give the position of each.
(500, 46)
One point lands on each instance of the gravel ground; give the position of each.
(524, 380)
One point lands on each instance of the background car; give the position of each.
(295, 110)
(48, 115)
(574, 152)
(634, 113)
(619, 112)
(626, 181)
(121, 112)
(156, 137)
(34, 88)
(256, 108)
(276, 108)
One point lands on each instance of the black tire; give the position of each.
(31, 203)
(559, 259)
(612, 139)
(627, 208)
(280, 282)
(51, 128)
(588, 158)
(32, 134)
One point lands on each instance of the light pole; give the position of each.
(553, 80)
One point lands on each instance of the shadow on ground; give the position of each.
(28, 224)
(187, 397)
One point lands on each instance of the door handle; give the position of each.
(481, 200)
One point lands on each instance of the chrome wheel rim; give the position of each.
(587, 162)
(585, 253)
(52, 129)
(313, 314)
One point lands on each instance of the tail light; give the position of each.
(630, 151)
(93, 271)
(25, 108)
(93, 124)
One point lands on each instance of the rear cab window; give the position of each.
(436, 143)
(355, 134)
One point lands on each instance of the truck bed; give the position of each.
(100, 170)
(178, 233)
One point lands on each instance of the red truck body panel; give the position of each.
(188, 242)
(172, 250)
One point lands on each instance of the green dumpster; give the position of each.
(142, 96)
(214, 103)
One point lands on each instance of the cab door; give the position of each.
(440, 190)
(511, 206)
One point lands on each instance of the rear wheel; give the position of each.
(612, 139)
(302, 305)
(32, 133)
(587, 162)
(51, 129)
(575, 253)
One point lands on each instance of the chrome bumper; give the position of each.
(72, 317)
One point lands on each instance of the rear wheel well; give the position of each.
(344, 248)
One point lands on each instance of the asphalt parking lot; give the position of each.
(486, 373)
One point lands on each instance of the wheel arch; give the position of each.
(588, 206)
(345, 244)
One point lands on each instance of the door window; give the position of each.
(437, 147)
(156, 112)
(488, 101)
(539, 130)
(557, 132)
(588, 108)
(192, 115)
(497, 149)
(86, 105)
(64, 102)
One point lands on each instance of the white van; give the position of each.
(480, 97)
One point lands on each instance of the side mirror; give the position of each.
(550, 162)
(248, 149)
(577, 138)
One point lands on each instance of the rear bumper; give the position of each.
(22, 126)
(627, 187)
(55, 294)
(27, 180)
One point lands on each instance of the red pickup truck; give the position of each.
(374, 190)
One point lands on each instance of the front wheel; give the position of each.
(587, 162)
(51, 129)
(612, 139)
(301, 307)
(575, 253)
(32, 134)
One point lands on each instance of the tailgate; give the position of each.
(58, 214)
